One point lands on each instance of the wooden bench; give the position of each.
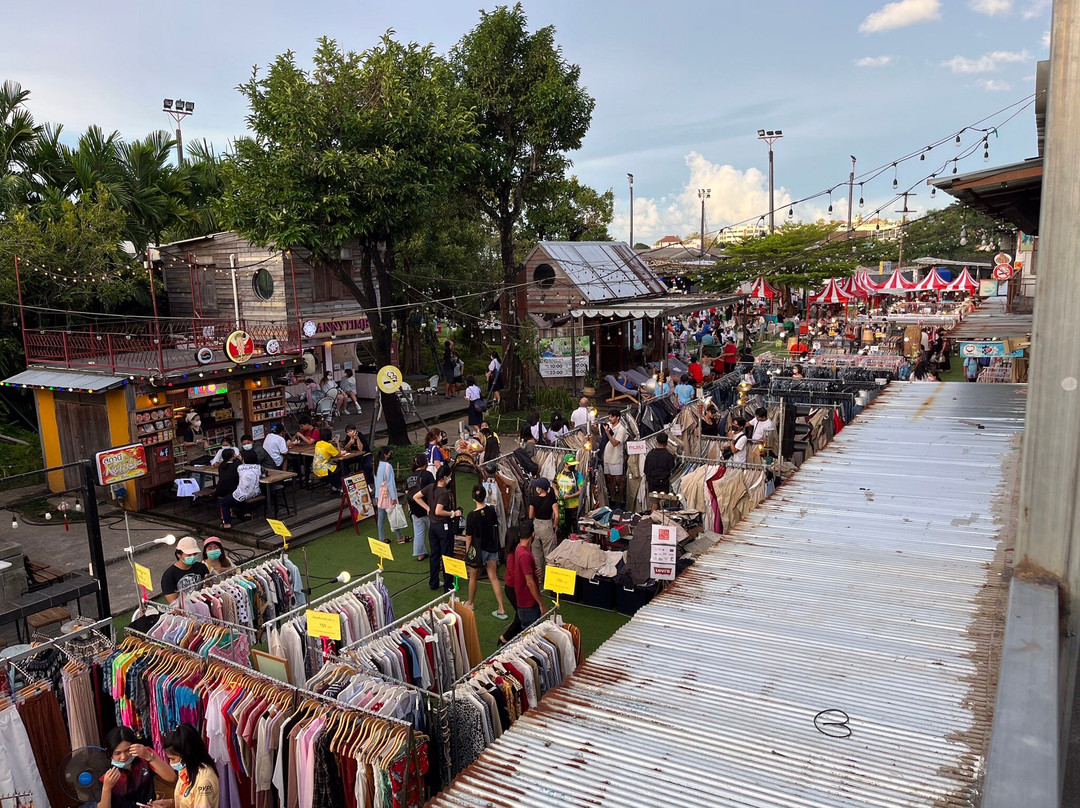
(42, 574)
(56, 614)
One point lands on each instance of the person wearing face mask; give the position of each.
(185, 572)
(196, 444)
(197, 778)
(247, 444)
(226, 443)
(130, 779)
(217, 561)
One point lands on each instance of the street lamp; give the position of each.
(630, 177)
(770, 136)
(178, 110)
(703, 194)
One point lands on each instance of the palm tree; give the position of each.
(18, 132)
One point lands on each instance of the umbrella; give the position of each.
(963, 283)
(762, 288)
(933, 282)
(831, 294)
(897, 284)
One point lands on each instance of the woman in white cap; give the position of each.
(185, 572)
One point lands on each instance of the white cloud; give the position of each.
(735, 196)
(987, 63)
(873, 61)
(1035, 9)
(1046, 40)
(991, 8)
(994, 85)
(901, 14)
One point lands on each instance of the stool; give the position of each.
(56, 614)
(282, 490)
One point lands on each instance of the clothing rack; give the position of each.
(243, 566)
(234, 627)
(550, 614)
(350, 663)
(18, 796)
(402, 620)
(93, 628)
(333, 593)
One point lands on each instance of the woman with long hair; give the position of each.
(130, 779)
(197, 779)
(482, 529)
(387, 493)
(513, 536)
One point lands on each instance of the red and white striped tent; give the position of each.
(963, 283)
(866, 283)
(831, 294)
(897, 284)
(849, 286)
(933, 282)
(763, 289)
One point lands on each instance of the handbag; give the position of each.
(480, 405)
(472, 557)
(396, 515)
(386, 502)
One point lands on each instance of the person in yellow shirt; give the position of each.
(568, 484)
(323, 464)
(197, 779)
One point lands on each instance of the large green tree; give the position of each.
(18, 136)
(351, 153)
(531, 111)
(567, 210)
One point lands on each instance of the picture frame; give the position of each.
(273, 666)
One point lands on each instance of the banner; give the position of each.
(121, 464)
(359, 495)
(556, 360)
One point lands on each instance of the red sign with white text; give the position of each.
(121, 464)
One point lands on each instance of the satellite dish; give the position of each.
(81, 773)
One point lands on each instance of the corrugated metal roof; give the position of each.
(65, 379)
(604, 270)
(990, 321)
(870, 583)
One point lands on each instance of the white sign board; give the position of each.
(665, 542)
(635, 447)
(664, 534)
(554, 367)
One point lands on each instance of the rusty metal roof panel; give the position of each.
(870, 583)
(604, 270)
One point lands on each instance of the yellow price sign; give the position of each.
(455, 567)
(381, 549)
(279, 528)
(560, 581)
(389, 379)
(321, 624)
(143, 577)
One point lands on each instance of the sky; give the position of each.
(681, 87)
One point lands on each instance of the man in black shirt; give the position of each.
(186, 572)
(659, 464)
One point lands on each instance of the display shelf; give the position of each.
(264, 404)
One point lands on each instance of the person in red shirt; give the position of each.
(718, 366)
(694, 369)
(526, 584)
(731, 356)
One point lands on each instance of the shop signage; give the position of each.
(121, 464)
(359, 497)
(560, 581)
(635, 447)
(206, 390)
(204, 356)
(273, 347)
(455, 567)
(279, 528)
(981, 349)
(389, 379)
(988, 288)
(322, 624)
(1002, 272)
(342, 327)
(239, 347)
(144, 579)
(557, 360)
(380, 549)
(1002, 258)
(637, 335)
(665, 542)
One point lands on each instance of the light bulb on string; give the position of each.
(861, 200)
(895, 184)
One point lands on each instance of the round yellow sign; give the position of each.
(389, 379)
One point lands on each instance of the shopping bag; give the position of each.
(396, 514)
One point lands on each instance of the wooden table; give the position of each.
(307, 455)
(270, 478)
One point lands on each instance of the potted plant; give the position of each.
(590, 384)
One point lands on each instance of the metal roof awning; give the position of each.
(71, 380)
(603, 270)
(945, 262)
(837, 649)
(667, 306)
(1012, 192)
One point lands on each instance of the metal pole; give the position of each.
(1048, 533)
(179, 145)
(772, 205)
(850, 193)
(630, 177)
(703, 225)
(93, 535)
(235, 295)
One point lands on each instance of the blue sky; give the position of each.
(681, 87)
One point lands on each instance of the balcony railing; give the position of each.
(150, 346)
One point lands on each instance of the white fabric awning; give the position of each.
(666, 306)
